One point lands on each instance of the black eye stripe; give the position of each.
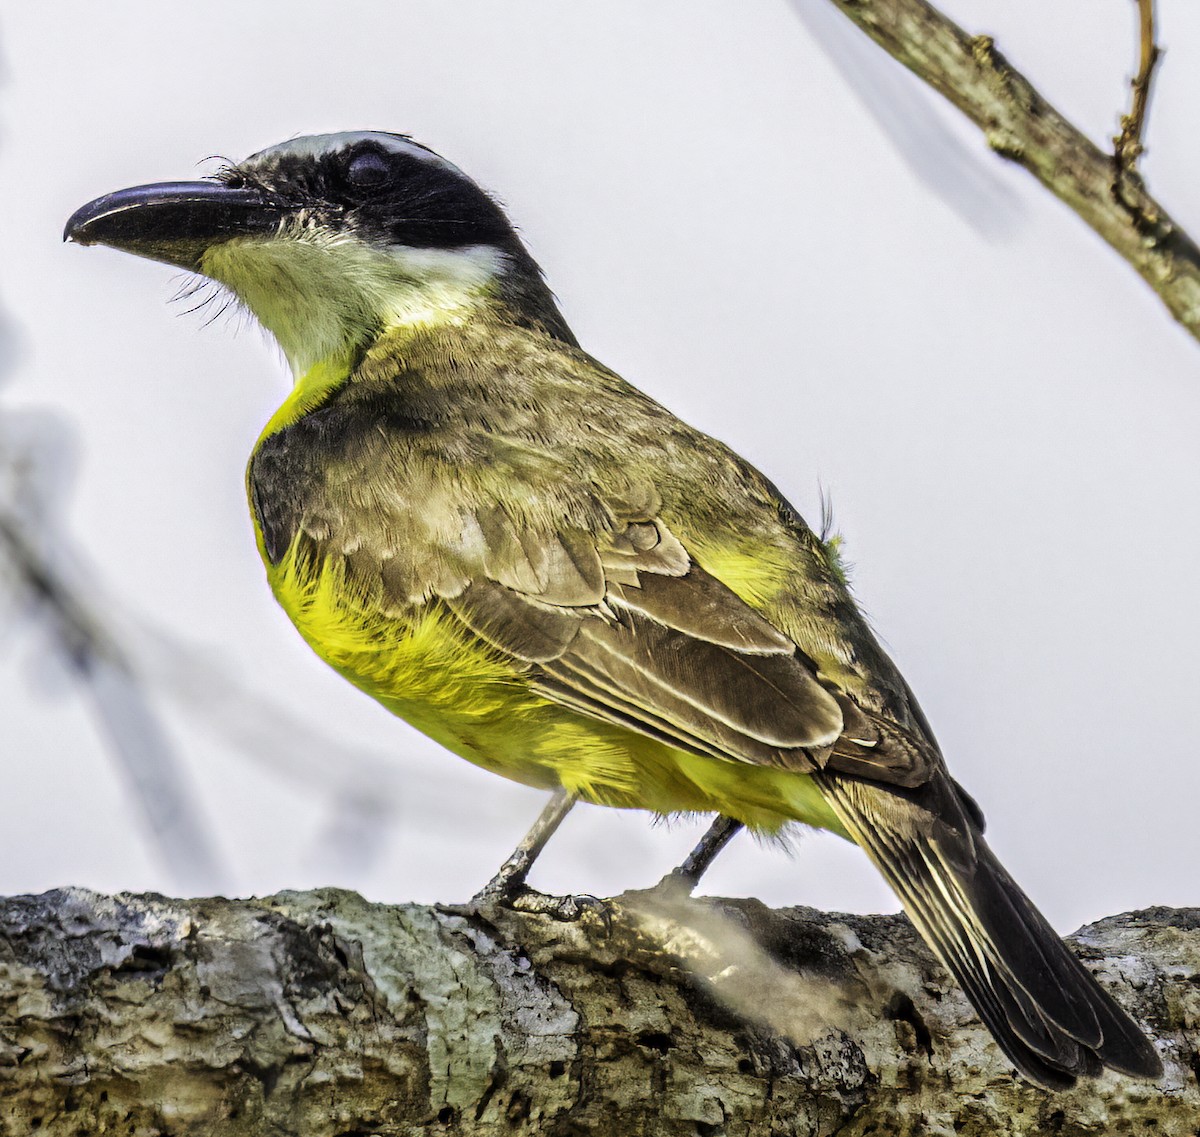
(387, 197)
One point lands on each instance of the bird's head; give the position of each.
(330, 239)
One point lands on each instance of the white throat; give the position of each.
(322, 295)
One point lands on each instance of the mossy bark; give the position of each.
(322, 1015)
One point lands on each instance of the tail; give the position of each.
(1044, 1010)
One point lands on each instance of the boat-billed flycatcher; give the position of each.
(537, 565)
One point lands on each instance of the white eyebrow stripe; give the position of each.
(316, 145)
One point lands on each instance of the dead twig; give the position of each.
(1021, 126)
(1128, 144)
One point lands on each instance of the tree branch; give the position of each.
(1128, 144)
(1023, 127)
(323, 1015)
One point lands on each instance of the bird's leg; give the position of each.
(508, 886)
(688, 874)
(510, 878)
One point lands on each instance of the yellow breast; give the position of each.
(427, 667)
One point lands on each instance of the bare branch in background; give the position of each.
(123, 712)
(365, 791)
(124, 673)
(1023, 127)
(33, 464)
(1128, 144)
(129, 670)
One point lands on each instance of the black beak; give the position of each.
(174, 222)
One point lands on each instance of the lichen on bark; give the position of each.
(323, 1015)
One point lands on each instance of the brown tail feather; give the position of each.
(1045, 1011)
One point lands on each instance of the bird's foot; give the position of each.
(521, 898)
(568, 908)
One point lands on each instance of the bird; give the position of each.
(544, 570)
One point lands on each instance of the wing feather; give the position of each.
(630, 630)
(535, 633)
(699, 605)
(659, 706)
(771, 699)
(618, 623)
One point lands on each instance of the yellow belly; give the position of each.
(429, 669)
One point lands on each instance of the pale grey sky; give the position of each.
(1006, 420)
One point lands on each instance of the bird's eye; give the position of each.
(368, 170)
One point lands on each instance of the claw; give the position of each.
(522, 898)
(566, 908)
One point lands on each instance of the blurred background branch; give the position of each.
(32, 556)
(128, 670)
(1020, 125)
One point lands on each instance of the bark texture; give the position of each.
(323, 1015)
(1022, 126)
